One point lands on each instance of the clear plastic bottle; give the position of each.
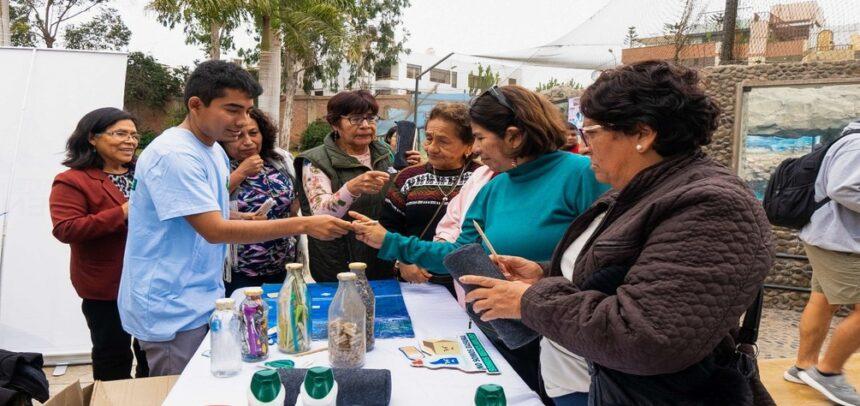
(225, 353)
(367, 297)
(346, 318)
(293, 317)
(254, 326)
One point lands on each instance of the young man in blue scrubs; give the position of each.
(178, 221)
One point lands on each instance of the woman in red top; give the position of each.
(89, 209)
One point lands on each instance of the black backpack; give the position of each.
(789, 200)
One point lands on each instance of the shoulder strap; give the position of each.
(748, 333)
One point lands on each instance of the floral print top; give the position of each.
(318, 189)
(123, 182)
(267, 257)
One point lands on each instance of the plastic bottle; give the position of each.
(225, 348)
(346, 318)
(358, 268)
(319, 388)
(266, 389)
(254, 326)
(293, 313)
(490, 395)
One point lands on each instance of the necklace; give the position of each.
(457, 182)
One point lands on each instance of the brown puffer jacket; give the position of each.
(683, 250)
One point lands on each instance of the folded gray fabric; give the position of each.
(354, 386)
(472, 260)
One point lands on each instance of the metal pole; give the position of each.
(418, 78)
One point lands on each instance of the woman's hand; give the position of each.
(370, 182)
(518, 268)
(368, 230)
(413, 157)
(326, 227)
(413, 273)
(250, 166)
(496, 298)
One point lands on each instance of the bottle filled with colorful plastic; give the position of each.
(293, 313)
(254, 326)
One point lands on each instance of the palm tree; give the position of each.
(206, 21)
(5, 27)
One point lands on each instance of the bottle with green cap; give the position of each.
(490, 395)
(319, 388)
(266, 389)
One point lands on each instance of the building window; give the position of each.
(453, 79)
(412, 71)
(512, 81)
(440, 75)
(384, 72)
(318, 93)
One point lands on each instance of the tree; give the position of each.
(5, 24)
(483, 80)
(19, 24)
(105, 31)
(208, 23)
(632, 38)
(728, 45)
(678, 33)
(553, 82)
(151, 84)
(45, 17)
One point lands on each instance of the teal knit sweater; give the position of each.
(524, 212)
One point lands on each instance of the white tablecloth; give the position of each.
(435, 314)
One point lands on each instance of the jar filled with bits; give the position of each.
(366, 293)
(346, 325)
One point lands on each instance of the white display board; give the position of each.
(43, 94)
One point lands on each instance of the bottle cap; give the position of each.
(295, 266)
(225, 304)
(254, 292)
(346, 276)
(360, 266)
(318, 382)
(490, 395)
(265, 385)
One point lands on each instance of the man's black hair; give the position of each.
(211, 78)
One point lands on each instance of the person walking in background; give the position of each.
(832, 243)
(89, 209)
(420, 195)
(260, 172)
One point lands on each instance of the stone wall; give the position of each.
(721, 82)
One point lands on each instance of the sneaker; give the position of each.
(791, 375)
(836, 388)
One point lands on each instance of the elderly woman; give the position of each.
(260, 172)
(421, 193)
(524, 210)
(89, 210)
(350, 171)
(648, 284)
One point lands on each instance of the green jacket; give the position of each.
(328, 258)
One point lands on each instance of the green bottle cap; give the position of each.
(319, 381)
(265, 385)
(490, 395)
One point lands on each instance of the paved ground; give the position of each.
(777, 339)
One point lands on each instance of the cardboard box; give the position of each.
(132, 392)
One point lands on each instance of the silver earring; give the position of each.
(639, 148)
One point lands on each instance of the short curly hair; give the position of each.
(659, 94)
(457, 114)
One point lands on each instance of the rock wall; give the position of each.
(721, 83)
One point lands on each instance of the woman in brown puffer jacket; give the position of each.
(648, 286)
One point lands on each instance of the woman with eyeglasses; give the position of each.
(89, 211)
(537, 192)
(350, 171)
(650, 283)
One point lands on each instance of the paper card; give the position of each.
(466, 354)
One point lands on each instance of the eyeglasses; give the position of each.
(356, 119)
(584, 133)
(124, 135)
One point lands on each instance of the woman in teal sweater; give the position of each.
(525, 209)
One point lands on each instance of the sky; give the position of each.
(462, 26)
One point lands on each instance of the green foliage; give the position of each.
(150, 83)
(19, 22)
(105, 31)
(632, 38)
(175, 115)
(483, 80)
(146, 137)
(199, 18)
(553, 82)
(314, 134)
(43, 19)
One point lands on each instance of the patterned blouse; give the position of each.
(268, 257)
(123, 182)
(318, 188)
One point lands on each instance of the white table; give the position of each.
(434, 313)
